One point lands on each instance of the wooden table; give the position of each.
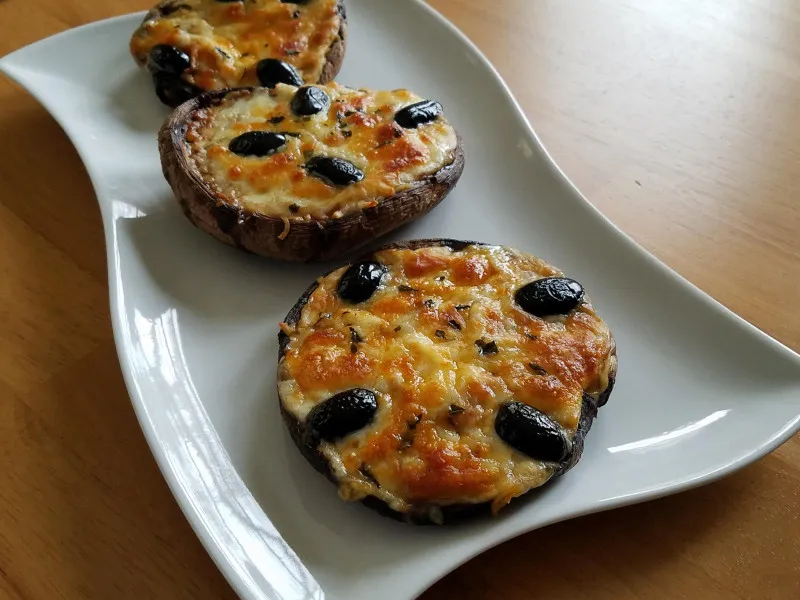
(678, 118)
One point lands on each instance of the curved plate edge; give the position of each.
(177, 464)
(238, 573)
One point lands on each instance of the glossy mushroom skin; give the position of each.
(452, 513)
(334, 57)
(306, 241)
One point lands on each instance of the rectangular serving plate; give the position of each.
(700, 392)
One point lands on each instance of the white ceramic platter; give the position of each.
(700, 392)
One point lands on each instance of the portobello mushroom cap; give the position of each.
(431, 514)
(287, 238)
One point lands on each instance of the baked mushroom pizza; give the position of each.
(190, 46)
(436, 379)
(308, 173)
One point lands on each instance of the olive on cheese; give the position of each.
(257, 143)
(550, 296)
(360, 281)
(341, 414)
(413, 379)
(531, 432)
(168, 59)
(418, 114)
(335, 171)
(309, 101)
(271, 72)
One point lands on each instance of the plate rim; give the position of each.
(122, 341)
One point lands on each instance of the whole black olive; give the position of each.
(341, 415)
(334, 170)
(257, 143)
(271, 71)
(168, 60)
(531, 432)
(174, 91)
(418, 114)
(550, 296)
(360, 281)
(309, 101)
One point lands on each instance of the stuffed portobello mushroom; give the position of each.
(439, 379)
(308, 173)
(192, 46)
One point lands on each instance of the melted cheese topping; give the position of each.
(358, 127)
(225, 40)
(414, 344)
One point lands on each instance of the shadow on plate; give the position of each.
(217, 281)
(208, 278)
(135, 103)
(600, 547)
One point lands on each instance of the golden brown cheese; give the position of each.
(358, 127)
(433, 438)
(225, 40)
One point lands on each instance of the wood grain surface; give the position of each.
(678, 118)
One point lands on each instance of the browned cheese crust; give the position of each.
(226, 40)
(591, 364)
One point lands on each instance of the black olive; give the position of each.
(271, 71)
(341, 415)
(257, 143)
(334, 170)
(168, 60)
(550, 296)
(174, 91)
(531, 432)
(309, 101)
(360, 281)
(418, 114)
